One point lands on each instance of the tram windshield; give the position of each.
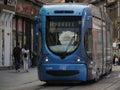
(63, 33)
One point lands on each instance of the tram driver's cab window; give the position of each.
(88, 42)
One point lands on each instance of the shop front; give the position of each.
(23, 25)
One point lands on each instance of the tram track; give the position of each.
(54, 87)
(44, 88)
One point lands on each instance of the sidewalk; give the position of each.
(11, 78)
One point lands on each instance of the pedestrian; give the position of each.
(119, 60)
(17, 54)
(33, 60)
(25, 53)
(116, 60)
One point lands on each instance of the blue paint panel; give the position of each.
(81, 76)
(70, 61)
(49, 9)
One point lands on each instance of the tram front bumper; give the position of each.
(53, 72)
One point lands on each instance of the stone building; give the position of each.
(7, 11)
(23, 24)
(16, 25)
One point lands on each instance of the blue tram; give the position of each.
(74, 42)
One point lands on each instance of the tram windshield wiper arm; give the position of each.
(64, 54)
(73, 37)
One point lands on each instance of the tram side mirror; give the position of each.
(37, 24)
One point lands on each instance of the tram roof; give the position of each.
(65, 6)
(77, 7)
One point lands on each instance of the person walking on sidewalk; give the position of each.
(16, 54)
(25, 53)
(116, 60)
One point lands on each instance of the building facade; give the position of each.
(7, 11)
(16, 25)
(23, 24)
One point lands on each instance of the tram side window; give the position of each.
(88, 42)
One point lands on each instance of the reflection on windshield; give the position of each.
(63, 36)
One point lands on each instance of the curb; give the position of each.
(6, 68)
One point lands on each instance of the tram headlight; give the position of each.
(78, 60)
(46, 59)
(91, 64)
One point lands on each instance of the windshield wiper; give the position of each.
(73, 38)
(64, 54)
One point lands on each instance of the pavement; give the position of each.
(11, 79)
